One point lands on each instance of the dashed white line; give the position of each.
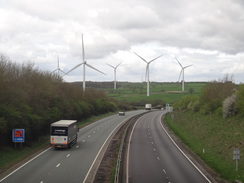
(158, 158)
(154, 149)
(164, 171)
(77, 146)
(68, 155)
(58, 165)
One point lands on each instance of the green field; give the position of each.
(166, 92)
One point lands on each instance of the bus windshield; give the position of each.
(59, 131)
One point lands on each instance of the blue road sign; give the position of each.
(18, 135)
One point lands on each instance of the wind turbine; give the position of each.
(58, 69)
(84, 63)
(115, 68)
(147, 69)
(183, 74)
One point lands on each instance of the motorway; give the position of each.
(153, 157)
(70, 165)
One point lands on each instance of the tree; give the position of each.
(240, 100)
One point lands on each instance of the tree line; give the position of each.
(222, 97)
(31, 99)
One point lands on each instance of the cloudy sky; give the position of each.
(207, 34)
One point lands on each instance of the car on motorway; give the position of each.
(121, 113)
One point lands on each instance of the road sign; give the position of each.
(18, 135)
(236, 154)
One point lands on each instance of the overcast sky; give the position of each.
(208, 34)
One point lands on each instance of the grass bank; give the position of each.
(213, 139)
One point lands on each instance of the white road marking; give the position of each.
(154, 149)
(89, 136)
(58, 165)
(25, 164)
(183, 152)
(68, 155)
(77, 146)
(158, 158)
(164, 171)
(89, 171)
(83, 140)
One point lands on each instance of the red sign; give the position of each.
(18, 133)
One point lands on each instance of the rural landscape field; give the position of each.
(208, 116)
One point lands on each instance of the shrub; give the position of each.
(214, 93)
(240, 100)
(229, 106)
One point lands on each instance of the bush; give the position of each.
(240, 100)
(229, 106)
(214, 93)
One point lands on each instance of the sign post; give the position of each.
(18, 135)
(236, 156)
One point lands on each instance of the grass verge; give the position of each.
(10, 156)
(213, 139)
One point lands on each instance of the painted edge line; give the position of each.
(25, 164)
(182, 151)
(94, 161)
(128, 152)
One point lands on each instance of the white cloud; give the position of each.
(205, 33)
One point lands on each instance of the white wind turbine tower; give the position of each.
(84, 62)
(183, 74)
(115, 68)
(58, 69)
(147, 70)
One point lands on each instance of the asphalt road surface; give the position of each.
(153, 157)
(69, 165)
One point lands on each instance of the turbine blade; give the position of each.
(73, 69)
(94, 68)
(83, 49)
(61, 71)
(187, 66)
(140, 57)
(110, 65)
(179, 62)
(118, 65)
(54, 71)
(180, 74)
(155, 58)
